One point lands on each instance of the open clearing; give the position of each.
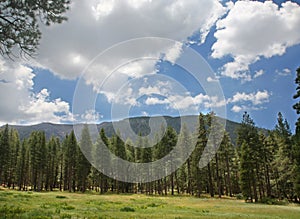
(14, 204)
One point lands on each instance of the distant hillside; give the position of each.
(138, 125)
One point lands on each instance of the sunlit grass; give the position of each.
(14, 204)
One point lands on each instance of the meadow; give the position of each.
(15, 204)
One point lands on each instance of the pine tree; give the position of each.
(227, 155)
(296, 96)
(52, 163)
(296, 145)
(158, 153)
(84, 165)
(284, 159)
(20, 24)
(70, 148)
(270, 150)
(246, 172)
(146, 157)
(4, 155)
(216, 134)
(118, 148)
(14, 145)
(296, 150)
(199, 176)
(248, 141)
(101, 162)
(168, 143)
(20, 168)
(183, 174)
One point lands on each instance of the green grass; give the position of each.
(14, 204)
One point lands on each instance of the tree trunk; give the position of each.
(210, 182)
(218, 176)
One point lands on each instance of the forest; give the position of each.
(258, 167)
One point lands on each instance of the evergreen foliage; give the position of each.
(260, 166)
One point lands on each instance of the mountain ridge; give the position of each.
(140, 125)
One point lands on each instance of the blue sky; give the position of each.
(252, 48)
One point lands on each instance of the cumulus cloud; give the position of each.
(244, 108)
(256, 98)
(249, 101)
(174, 53)
(160, 90)
(237, 109)
(156, 101)
(253, 30)
(187, 102)
(215, 79)
(284, 72)
(19, 104)
(86, 42)
(258, 73)
(90, 116)
(94, 26)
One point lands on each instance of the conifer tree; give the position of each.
(101, 161)
(296, 145)
(52, 163)
(284, 158)
(199, 176)
(183, 174)
(14, 145)
(70, 148)
(21, 167)
(248, 141)
(84, 165)
(227, 155)
(4, 155)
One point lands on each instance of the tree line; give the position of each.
(258, 166)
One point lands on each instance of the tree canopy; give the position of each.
(20, 20)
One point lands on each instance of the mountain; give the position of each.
(139, 125)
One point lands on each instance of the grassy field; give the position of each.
(15, 204)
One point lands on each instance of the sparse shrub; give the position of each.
(65, 206)
(65, 216)
(239, 196)
(127, 209)
(57, 210)
(272, 201)
(45, 206)
(153, 205)
(61, 196)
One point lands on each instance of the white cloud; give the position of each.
(19, 104)
(156, 101)
(245, 108)
(96, 25)
(41, 109)
(284, 72)
(252, 30)
(174, 53)
(258, 73)
(186, 102)
(144, 113)
(215, 79)
(102, 8)
(249, 101)
(237, 109)
(93, 26)
(90, 116)
(257, 98)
